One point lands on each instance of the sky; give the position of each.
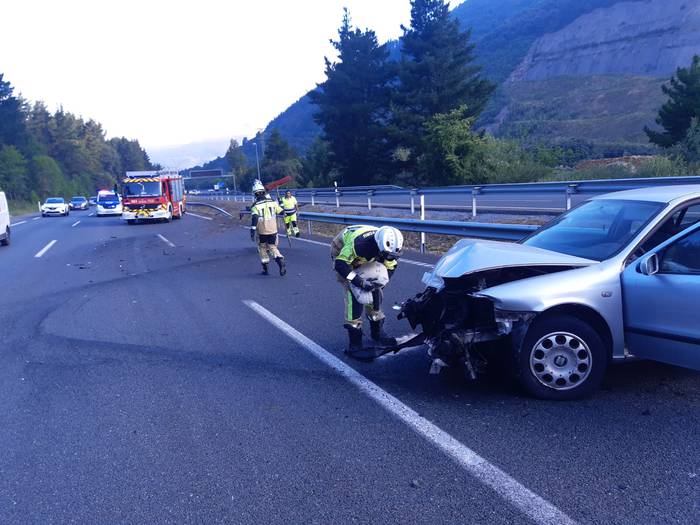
(174, 72)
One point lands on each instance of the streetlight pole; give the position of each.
(257, 159)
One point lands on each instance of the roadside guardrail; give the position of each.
(416, 197)
(477, 230)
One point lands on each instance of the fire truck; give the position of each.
(152, 195)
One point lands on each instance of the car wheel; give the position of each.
(562, 358)
(6, 240)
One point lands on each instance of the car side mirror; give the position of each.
(649, 264)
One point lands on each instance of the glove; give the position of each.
(358, 281)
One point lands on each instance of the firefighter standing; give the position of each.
(350, 249)
(264, 221)
(290, 207)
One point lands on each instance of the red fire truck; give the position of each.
(152, 195)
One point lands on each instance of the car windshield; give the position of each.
(54, 200)
(136, 189)
(78, 199)
(107, 197)
(597, 229)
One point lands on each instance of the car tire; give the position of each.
(6, 240)
(562, 358)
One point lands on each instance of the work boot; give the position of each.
(264, 269)
(355, 336)
(379, 335)
(297, 234)
(280, 263)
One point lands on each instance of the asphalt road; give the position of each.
(149, 374)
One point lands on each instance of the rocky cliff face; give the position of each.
(649, 38)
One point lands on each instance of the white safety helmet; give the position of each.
(258, 187)
(390, 241)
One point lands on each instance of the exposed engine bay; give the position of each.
(458, 325)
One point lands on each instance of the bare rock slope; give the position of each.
(649, 38)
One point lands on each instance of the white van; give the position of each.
(4, 221)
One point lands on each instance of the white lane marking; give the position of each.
(18, 223)
(535, 507)
(75, 224)
(90, 214)
(166, 241)
(200, 216)
(36, 218)
(45, 249)
(407, 261)
(417, 263)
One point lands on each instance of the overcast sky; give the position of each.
(174, 72)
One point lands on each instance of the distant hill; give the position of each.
(186, 155)
(567, 70)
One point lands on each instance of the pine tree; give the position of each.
(437, 74)
(237, 161)
(280, 160)
(12, 127)
(354, 104)
(677, 114)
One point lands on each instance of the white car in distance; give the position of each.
(55, 206)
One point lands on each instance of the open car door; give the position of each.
(661, 298)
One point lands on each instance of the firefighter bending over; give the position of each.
(290, 207)
(352, 250)
(264, 216)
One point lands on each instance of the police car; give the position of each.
(108, 203)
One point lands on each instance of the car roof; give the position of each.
(656, 193)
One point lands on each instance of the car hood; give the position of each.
(470, 256)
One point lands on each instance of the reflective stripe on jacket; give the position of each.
(289, 205)
(345, 247)
(266, 212)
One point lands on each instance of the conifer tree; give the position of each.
(437, 75)
(354, 103)
(683, 105)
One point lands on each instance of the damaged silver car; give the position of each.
(573, 296)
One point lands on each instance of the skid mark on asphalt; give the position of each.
(535, 507)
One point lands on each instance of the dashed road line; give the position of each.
(166, 241)
(18, 223)
(75, 224)
(45, 249)
(36, 218)
(526, 501)
(200, 216)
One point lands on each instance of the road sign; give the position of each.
(202, 174)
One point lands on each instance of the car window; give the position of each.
(683, 256)
(597, 229)
(690, 217)
(676, 223)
